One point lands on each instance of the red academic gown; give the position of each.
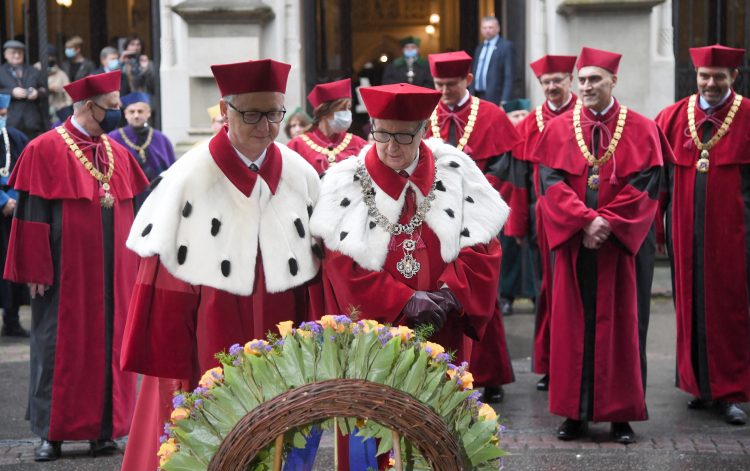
(318, 160)
(522, 223)
(595, 367)
(493, 136)
(61, 237)
(175, 328)
(709, 228)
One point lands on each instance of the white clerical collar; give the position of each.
(466, 97)
(78, 126)
(258, 162)
(706, 106)
(410, 169)
(604, 111)
(554, 108)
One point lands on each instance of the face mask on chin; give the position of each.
(341, 121)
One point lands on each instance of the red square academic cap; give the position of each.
(93, 85)
(253, 76)
(400, 102)
(717, 56)
(553, 64)
(450, 64)
(330, 91)
(604, 59)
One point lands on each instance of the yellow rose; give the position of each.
(436, 349)
(486, 412)
(402, 331)
(451, 373)
(370, 324)
(468, 381)
(391, 462)
(209, 378)
(167, 449)
(305, 333)
(251, 349)
(179, 414)
(285, 328)
(326, 321)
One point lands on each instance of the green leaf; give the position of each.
(308, 351)
(482, 434)
(291, 365)
(382, 363)
(386, 441)
(295, 437)
(416, 373)
(182, 461)
(362, 351)
(404, 362)
(233, 378)
(431, 381)
(264, 377)
(453, 401)
(490, 452)
(328, 366)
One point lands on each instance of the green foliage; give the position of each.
(342, 348)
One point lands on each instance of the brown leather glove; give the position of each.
(449, 301)
(423, 308)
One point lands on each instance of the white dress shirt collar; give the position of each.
(258, 162)
(78, 126)
(554, 108)
(466, 97)
(705, 106)
(604, 111)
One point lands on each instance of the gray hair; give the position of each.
(228, 98)
(491, 18)
(80, 104)
(422, 124)
(107, 51)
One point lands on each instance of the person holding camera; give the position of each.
(27, 87)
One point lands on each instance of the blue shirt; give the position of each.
(484, 62)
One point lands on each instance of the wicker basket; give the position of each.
(340, 398)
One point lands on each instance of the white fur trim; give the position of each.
(476, 206)
(263, 217)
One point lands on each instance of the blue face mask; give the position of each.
(411, 53)
(110, 121)
(70, 52)
(113, 64)
(2, 121)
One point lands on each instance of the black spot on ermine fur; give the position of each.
(187, 209)
(439, 185)
(345, 202)
(309, 210)
(147, 230)
(343, 235)
(293, 266)
(318, 251)
(181, 254)
(453, 164)
(372, 224)
(465, 232)
(226, 268)
(469, 199)
(215, 226)
(450, 212)
(300, 227)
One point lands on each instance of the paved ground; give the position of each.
(673, 439)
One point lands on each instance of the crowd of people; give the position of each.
(181, 259)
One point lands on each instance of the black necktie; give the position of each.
(254, 168)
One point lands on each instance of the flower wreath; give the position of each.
(333, 347)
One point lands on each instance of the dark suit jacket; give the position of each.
(84, 70)
(395, 72)
(24, 115)
(500, 73)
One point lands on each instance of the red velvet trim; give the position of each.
(393, 183)
(237, 172)
(29, 254)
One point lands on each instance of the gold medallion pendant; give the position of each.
(593, 181)
(702, 164)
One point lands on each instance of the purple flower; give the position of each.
(200, 391)
(178, 401)
(235, 349)
(167, 431)
(269, 348)
(237, 362)
(452, 366)
(164, 439)
(279, 343)
(444, 357)
(198, 403)
(428, 350)
(464, 365)
(332, 337)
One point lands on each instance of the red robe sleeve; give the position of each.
(476, 270)
(29, 257)
(159, 335)
(360, 288)
(565, 214)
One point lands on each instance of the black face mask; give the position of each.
(110, 121)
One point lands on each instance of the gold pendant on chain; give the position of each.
(408, 266)
(702, 164)
(593, 181)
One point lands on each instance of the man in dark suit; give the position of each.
(410, 68)
(76, 66)
(28, 88)
(494, 65)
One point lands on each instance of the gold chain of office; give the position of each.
(107, 201)
(593, 180)
(142, 148)
(467, 130)
(330, 153)
(702, 164)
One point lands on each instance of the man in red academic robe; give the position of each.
(555, 74)
(227, 251)
(444, 271)
(707, 221)
(599, 168)
(327, 142)
(482, 131)
(72, 217)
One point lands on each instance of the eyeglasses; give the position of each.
(557, 81)
(401, 137)
(254, 117)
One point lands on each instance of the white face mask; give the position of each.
(341, 121)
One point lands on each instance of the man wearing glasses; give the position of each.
(483, 132)
(26, 86)
(555, 75)
(226, 246)
(410, 227)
